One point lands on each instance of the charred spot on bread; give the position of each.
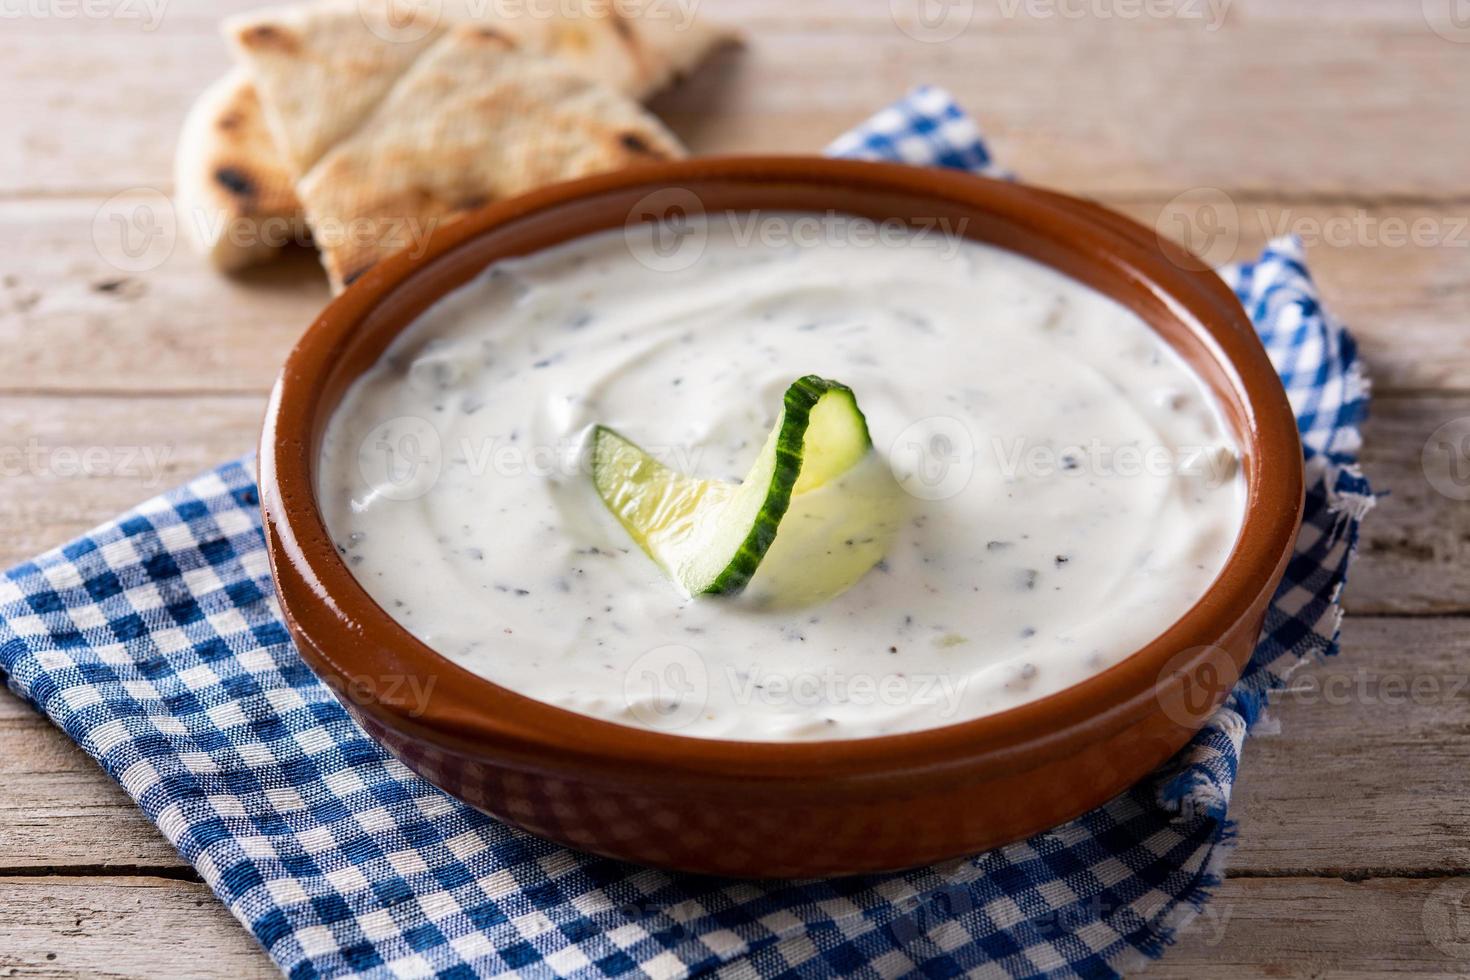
(236, 181)
(494, 36)
(471, 203)
(635, 143)
(268, 36)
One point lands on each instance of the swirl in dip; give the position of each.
(1071, 487)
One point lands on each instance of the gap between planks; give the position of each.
(182, 329)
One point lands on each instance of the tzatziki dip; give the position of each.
(1034, 484)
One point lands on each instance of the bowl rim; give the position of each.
(471, 715)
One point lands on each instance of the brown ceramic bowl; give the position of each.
(783, 809)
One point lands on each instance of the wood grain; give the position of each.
(59, 810)
(120, 927)
(68, 464)
(1342, 122)
(1326, 927)
(1416, 546)
(1297, 93)
(116, 927)
(1365, 774)
(184, 327)
(201, 18)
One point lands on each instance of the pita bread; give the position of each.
(236, 186)
(236, 200)
(635, 46)
(321, 67)
(474, 120)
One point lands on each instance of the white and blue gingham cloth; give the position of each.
(156, 644)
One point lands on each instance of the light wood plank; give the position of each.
(60, 810)
(1416, 543)
(1292, 927)
(1105, 130)
(1108, 129)
(184, 327)
(1297, 927)
(1394, 273)
(143, 18)
(1365, 774)
(70, 464)
(179, 327)
(62, 927)
(1319, 113)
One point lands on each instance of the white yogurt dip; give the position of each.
(1071, 487)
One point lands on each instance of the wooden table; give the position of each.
(1346, 121)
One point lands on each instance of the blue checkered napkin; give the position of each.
(926, 129)
(156, 644)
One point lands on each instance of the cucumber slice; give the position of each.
(709, 536)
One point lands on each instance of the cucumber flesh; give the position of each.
(709, 536)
